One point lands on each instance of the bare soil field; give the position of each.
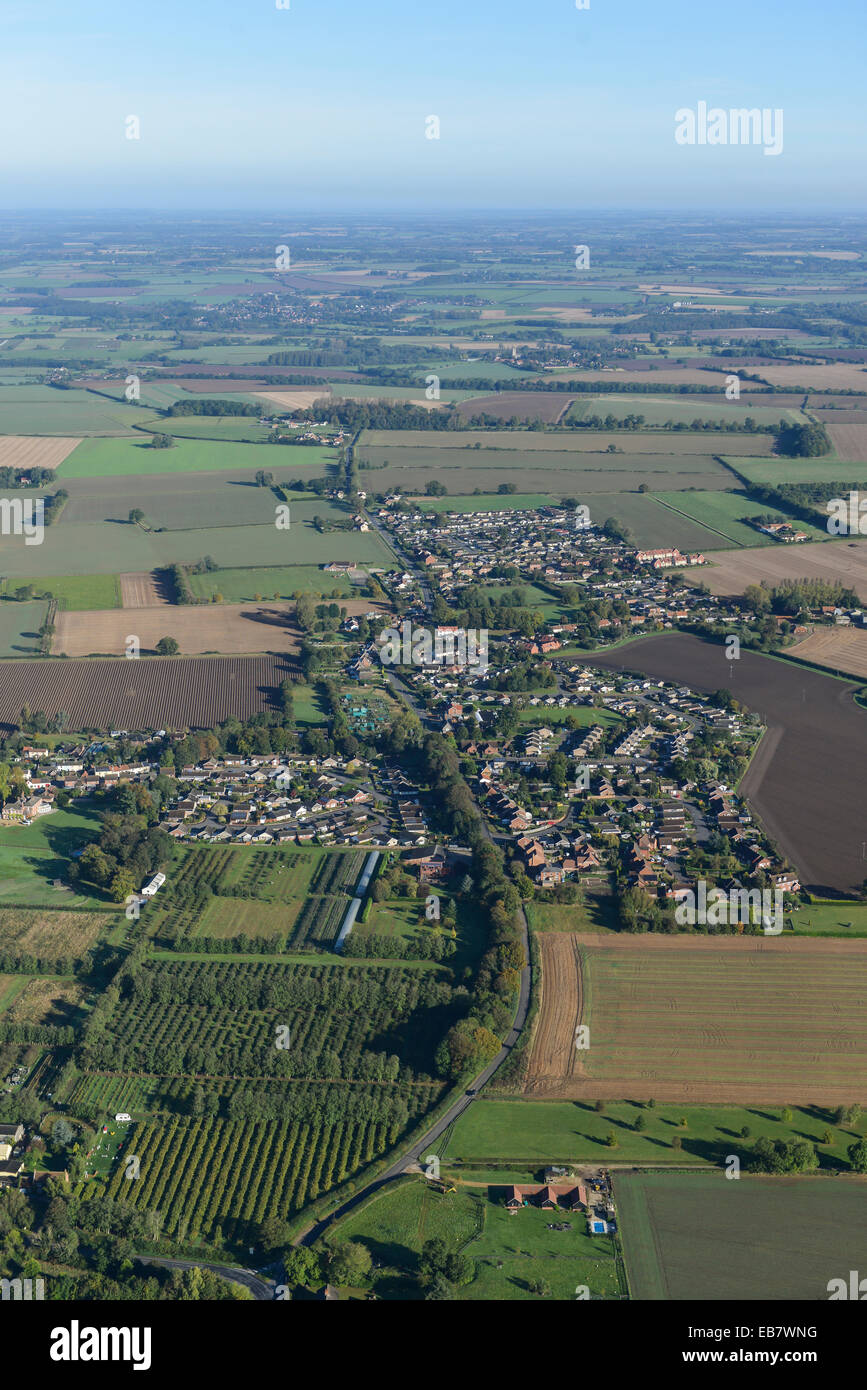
(152, 693)
(839, 648)
(140, 591)
(217, 627)
(831, 376)
(746, 1020)
(28, 451)
(840, 415)
(51, 934)
(549, 406)
(801, 782)
(843, 560)
(849, 440)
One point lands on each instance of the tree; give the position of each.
(350, 1262)
(640, 1124)
(303, 1266)
(168, 646)
(857, 1155)
(136, 516)
(162, 441)
(273, 1233)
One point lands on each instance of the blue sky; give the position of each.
(323, 105)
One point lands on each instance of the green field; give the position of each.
(581, 716)
(722, 512)
(509, 1254)
(659, 409)
(232, 429)
(19, 624)
(242, 585)
(597, 912)
(829, 919)
(694, 1236)
(33, 856)
(530, 1133)
(107, 458)
(44, 410)
(81, 548)
(772, 471)
(75, 592)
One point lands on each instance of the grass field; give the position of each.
(658, 409)
(52, 934)
(780, 470)
(582, 716)
(45, 1002)
(111, 458)
(693, 1236)
(75, 592)
(597, 912)
(701, 1018)
(33, 856)
(721, 512)
(45, 410)
(19, 624)
(509, 1253)
(528, 1134)
(830, 919)
(242, 585)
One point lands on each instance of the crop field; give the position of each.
(779, 470)
(88, 547)
(815, 731)
(722, 512)
(701, 1019)
(21, 451)
(188, 501)
(152, 693)
(509, 1253)
(208, 1173)
(548, 406)
(225, 891)
(688, 443)
(49, 1003)
(843, 560)
(51, 934)
(139, 591)
(110, 458)
(284, 581)
(565, 473)
(838, 648)
(696, 1236)
(657, 410)
(830, 376)
(19, 628)
(224, 429)
(228, 628)
(652, 524)
(849, 440)
(43, 410)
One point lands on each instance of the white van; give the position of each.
(123, 1118)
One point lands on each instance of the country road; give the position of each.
(261, 1289)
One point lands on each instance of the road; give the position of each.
(261, 1289)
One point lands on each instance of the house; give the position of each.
(547, 1196)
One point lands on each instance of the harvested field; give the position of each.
(833, 376)
(219, 627)
(842, 415)
(524, 405)
(691, 443)
(839, 648)
(27, 451)
(849, 440)
(140, 591)
(699, 1018)
(51, 934)
(153, 693)
(843, 560)
(800, 780)
(293, 400)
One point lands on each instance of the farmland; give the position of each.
(693, 1236)
(45, 1002)
(725, 513)
(849, 440)
(846, 561)
(42, 410)
(153, 693)
(21, 451)
(815, 729)
(51, 934)
(838, 648)
(242, 585)
(34, 858)
(73, 592)
(19, 625)
(701, 1019)
(227, 628)
(112, 458)
(188, 501)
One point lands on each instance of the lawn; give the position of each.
(75, 592)
(509, 1253)
(288, 581)
(577, 716)
(19, 624)
(33, 856)
(108, 458)
(829, 919)
(693, 1236)
(529, 1133)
